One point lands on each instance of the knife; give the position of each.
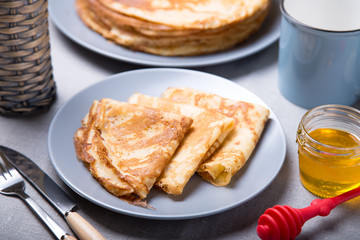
(53, 193)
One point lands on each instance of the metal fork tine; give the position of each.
(2, 177)
(3, 168)
(9, 167)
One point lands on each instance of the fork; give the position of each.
(12, 184)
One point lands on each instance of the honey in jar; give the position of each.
(329, 150)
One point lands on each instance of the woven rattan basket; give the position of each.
(26, 79)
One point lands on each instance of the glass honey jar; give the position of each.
(328, 140)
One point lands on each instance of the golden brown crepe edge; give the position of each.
(82, 154)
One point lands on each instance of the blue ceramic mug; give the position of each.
(319, 61)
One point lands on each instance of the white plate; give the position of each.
(199, 198)
(64, 15)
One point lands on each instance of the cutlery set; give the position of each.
(12, 183)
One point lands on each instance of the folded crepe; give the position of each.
(126, 146)
(250, 120)
(207, 132)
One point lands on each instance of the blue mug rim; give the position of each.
(305, 26)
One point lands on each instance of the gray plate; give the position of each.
(64, 15)
(199, 198)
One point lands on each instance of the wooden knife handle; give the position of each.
(69, 237)
(83, 229)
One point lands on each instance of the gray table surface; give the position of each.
(76, 68)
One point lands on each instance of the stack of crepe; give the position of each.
(131, 146)
(174, 27)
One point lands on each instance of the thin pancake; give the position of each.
(206, 129)
(89, 149)
(250, 120)
(126, 146)
(193, 14)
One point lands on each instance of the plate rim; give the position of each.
(151, 216)
(197, 61)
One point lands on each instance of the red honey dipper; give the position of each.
(285, 222)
